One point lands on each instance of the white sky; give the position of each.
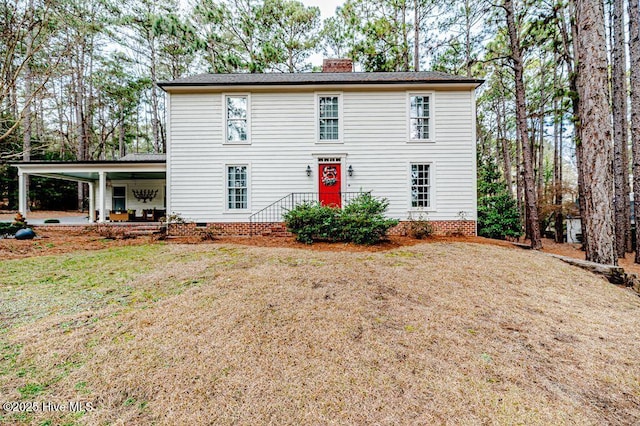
(327, 9)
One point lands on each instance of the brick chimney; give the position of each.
(337, 65)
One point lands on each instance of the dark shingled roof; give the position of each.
(129, 158)
(312, 78)
(135, 157)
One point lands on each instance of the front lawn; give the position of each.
(441, 333)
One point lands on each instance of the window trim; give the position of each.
(317, 97)
(432, 187)
(225, 131)
(432, 127)
(225, 175)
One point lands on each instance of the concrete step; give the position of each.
(281, 234)
(145, 228)
(140, 233)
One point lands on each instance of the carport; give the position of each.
(97, 174)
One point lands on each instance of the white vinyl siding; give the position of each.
(284, 141)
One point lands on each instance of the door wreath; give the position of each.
(329, 175)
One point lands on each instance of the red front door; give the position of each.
(330, 185)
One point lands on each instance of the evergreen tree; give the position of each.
(498, 215)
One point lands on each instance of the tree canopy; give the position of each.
(78, 79)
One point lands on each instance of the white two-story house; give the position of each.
(242, 149)
(245, 147)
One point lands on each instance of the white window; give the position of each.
(119, 198)
(420, 123)
(329, 117)
(237, 187)
(420, 185)
(237, 118)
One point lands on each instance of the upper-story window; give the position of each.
(237, 118)
(329, 118)
(420, 125)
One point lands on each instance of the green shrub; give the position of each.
(362, 221)
(9, 229)
(498, 217)
(311, 221)
(52, 221)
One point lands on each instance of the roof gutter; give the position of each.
(181, 87)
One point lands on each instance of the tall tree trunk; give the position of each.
(27, 121)
(634, 54)
(467, 37)
(620, 135)
(531, 205)
(89, 107)
(519, 184)
(405, 37)
(155, 104)
(27, 118)
(569, 43)
(557, 160)
(81, 148)
(61, 120)
(416, 35)
(595, 131)
(504, 147)
(290, 66)
(540, 183)
(121, 146)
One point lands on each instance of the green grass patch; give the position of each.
(38, 287)
(31, 390)
(8, 356)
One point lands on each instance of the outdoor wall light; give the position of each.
(350, 170)
(308, 170)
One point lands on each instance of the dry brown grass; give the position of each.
(442, 333)
(59, 242)
(9, 215)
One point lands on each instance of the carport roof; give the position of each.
(89, 171)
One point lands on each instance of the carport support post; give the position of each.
(92, 203)
(103, 193)
(22, 193)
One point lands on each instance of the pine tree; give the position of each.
(595, 132)
(498, 215)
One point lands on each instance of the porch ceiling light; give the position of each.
(308, 170)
